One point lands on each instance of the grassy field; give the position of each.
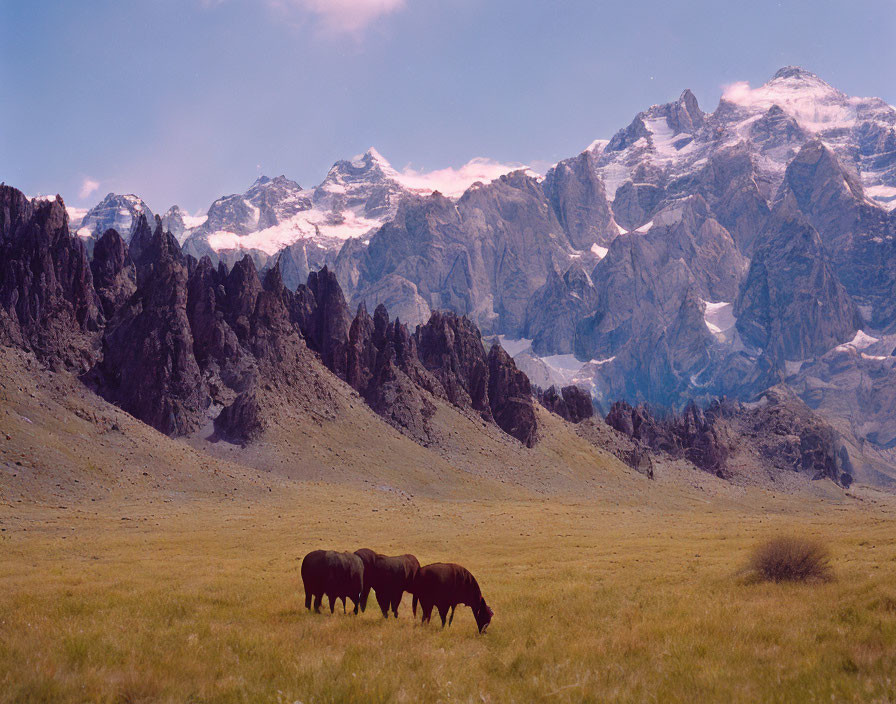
(201, 601)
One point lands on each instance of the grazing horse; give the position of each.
(390, 577)
(336, 574)
(446, 585)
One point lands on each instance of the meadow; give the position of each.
(201, 601)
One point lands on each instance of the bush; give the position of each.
(791, 559)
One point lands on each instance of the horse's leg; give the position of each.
(396, 602)
(383, 602)
(451, 618)
(364, 594)
(443, 612)
(332, 601)
(427, 611)
(317, 599)
(343, 605)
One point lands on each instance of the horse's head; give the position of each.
(483, 614)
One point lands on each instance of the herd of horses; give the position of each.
(351, 575)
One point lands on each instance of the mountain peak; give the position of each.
(370, 159)
(793, 72)
(796, 78)
(372, 153)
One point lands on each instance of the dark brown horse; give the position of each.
(336, 574)
(389, 577)
(445, 585)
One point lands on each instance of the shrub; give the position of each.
(791, 559)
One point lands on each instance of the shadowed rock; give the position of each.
(47, 300)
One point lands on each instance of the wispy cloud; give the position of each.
(340, 16)
(453, 182)
(88, 186)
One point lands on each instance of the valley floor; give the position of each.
(631, 599)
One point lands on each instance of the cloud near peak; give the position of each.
(453, 182)
(341, 16)
(88, 186)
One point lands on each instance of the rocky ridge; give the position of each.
(178, 342)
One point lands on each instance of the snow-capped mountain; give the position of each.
(116, 212)
(690, 256)
(666, 145)
(356, 197)
(179, 222)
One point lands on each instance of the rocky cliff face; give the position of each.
(556, 309)
(148, 366)
(693, 254)
(792, 300)
(47, 299)
(579, 200)
(678, 259)
(700, 439)
(483, 256)
(779, 429)
(184, 345)
(856, 234)
(570, 403)
(397, 372)
(114, 212)
(114, 272)
(510, 397)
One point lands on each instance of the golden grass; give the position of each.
(202, 603)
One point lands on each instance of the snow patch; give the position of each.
(882, 195)
(665, 141)
(600, 362)
(719, 319)
(598, 251)
(309, 224)
(614, 175)
(193, 221)
(514, 347)
(564, 369)
(669, 216)
(861, 341)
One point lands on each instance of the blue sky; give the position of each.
(181, 101)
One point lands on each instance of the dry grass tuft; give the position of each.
(791, 559)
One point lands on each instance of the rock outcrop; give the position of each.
(148, 366)
(577, 195)
(570, 403)
(510, 397)
(780, 429)
(114, 273)
(48, 303)
(242, 421)
(481, 256)
(792, 299)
